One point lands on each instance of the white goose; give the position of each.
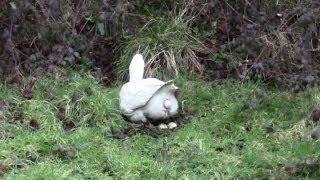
(150, 98)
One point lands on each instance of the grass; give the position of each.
(168, 44)
(225, 139)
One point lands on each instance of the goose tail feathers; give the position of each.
(136, 68)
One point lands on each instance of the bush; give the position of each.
(41, 36)
(276, 41)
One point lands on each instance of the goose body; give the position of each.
(150, 98)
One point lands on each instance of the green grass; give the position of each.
(205, 148)
(168, 44)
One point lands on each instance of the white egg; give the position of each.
(162, 126)
(172, 125)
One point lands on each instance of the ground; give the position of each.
(236, 130)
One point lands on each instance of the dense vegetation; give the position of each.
(277, 41)
(248, 71)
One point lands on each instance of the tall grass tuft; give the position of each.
(168, 44)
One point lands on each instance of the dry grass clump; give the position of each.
(168, 45)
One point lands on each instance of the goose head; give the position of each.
(167, 104)
(163, 104)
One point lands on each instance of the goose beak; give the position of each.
(173, 87)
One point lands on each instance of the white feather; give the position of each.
(136, 68)
(136, 94)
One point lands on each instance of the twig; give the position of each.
(244, 17)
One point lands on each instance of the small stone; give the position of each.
(316, 134)
(162, 126)
(76, 54)
(172, 125)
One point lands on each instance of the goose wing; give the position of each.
(136, 94)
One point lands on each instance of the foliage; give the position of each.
(276, 41)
